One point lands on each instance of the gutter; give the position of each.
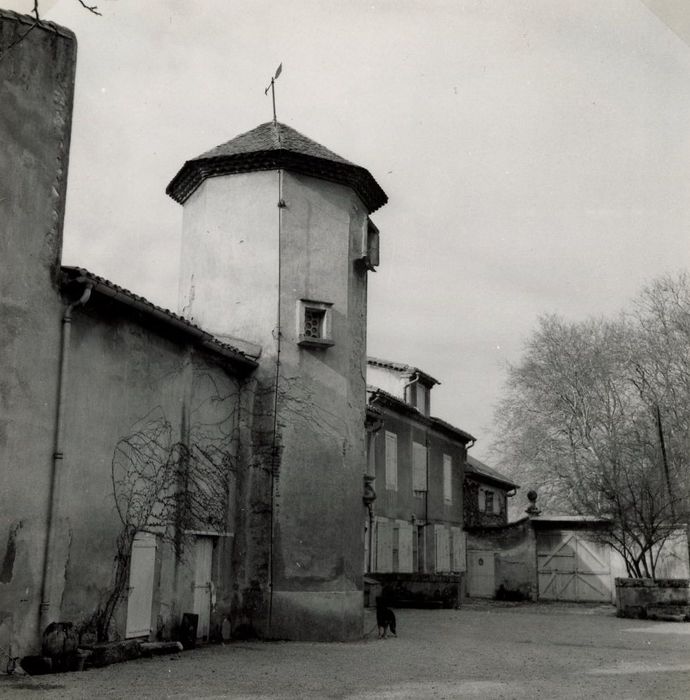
(57, 468)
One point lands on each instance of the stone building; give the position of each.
(208, 461)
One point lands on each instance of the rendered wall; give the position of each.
(147, 421)
(247, 262)
(515, 555)
(317, 539)
(36, 93)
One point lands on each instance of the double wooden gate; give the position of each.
(571, 567)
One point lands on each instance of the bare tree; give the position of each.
(596, 413)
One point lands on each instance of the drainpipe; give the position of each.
(56, 474)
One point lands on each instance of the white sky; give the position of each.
(536, 153)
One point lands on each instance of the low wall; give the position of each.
(653, 599)
(401, 590)
(514, 550)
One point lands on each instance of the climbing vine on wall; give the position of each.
(168, 480)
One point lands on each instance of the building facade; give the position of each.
(486, 495)
(208, 461)
(414, 536)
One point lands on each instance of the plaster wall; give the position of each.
(515, 555)
(229, 261)
(388, 380)
(135, 397)
(401, 503)
(36, 85)
(317, 540)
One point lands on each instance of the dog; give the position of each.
(385, 619)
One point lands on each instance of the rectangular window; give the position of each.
(418, 468)
(489, 501)
(396, 548)
(420, 558)
(447, 479)
(458, 549)
(421, 393)
(391, 461)
(384, 546)
(497, 503)
(407, 535)
(314, 323)
(442, 548)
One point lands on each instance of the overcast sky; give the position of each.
(536, 153)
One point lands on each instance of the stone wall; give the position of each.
(653, 599)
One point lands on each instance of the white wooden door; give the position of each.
(142, 569)
(571, 567)
(203, 559)
(480, 574)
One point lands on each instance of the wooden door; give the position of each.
(480, 574)
(203, 562)
(142, 570)
(572, 567)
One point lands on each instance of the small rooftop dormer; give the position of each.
(410, 384)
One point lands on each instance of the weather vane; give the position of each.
(271, 87)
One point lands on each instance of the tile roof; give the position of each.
(106, 288)
(474, 466)
(391, 401)
(272, 137)
(271, 146)
(402, 368)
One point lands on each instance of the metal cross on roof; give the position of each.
(271, 87)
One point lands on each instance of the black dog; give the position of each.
(385, 619)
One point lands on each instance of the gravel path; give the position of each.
(480, 651)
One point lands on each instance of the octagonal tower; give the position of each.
(276, 246)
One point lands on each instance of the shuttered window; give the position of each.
(442, 548)
(447, 479)
(391, 461)
(406, 535)
(384, 546)
(458, 549)
(418, 467)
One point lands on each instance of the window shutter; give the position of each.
(447, 479)
(481, 500)
(391, 461)
(418, 467)
(442, 548)
(405, 558)
(459, 563)
(384, 546)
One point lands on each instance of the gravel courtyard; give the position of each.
(484, 650)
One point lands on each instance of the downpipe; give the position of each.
(57, 468)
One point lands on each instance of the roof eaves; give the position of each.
(402, 368)
(124, 296)
(440, 424)
(477, 469)
(195, 171)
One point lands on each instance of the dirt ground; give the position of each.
(483, 650)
